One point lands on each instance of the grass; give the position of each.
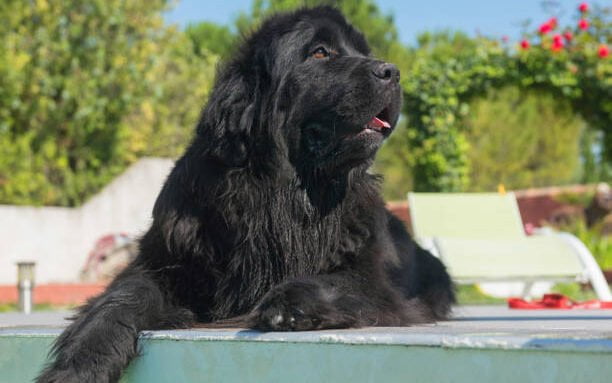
(574, 291)
(12, 307)
(472, 295)
(466, 295)
(7, 307)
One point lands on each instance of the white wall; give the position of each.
(59, 239)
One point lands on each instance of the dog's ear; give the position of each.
(228, 122)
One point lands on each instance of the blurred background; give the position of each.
(98, 97)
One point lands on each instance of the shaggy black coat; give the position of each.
(271, 217)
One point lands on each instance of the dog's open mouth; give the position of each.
(380, 122)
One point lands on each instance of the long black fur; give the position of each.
(271, 217)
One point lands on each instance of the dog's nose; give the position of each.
(386, 72)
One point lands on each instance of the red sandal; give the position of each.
(556, 302)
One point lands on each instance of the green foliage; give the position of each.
(88, 87)
(472, 295)
(77, 82)
(163, 122)
(7, 307)
(595, 167)
(574, 291)
(522, 139)
(70, 71)
(572, 198)
(436, 89)
(449, 72)
(394, 162)
(209, 38)
(11, 307)
(599, 245)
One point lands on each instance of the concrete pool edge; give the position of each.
(369, 336)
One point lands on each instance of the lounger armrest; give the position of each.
(593, 272)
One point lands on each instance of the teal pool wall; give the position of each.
(187, 358)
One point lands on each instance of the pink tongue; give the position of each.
(378, 123)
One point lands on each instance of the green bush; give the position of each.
(574, 291)
(88, 87)
(598, 244)
(572, 198)
(472, 295)
(443, 80)
(522, 139)
(85, 89)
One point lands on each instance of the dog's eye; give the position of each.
(320, 53)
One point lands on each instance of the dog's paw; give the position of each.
(296, 306)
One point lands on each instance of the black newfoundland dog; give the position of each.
(271, 217)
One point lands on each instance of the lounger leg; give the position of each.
(527, 290)
(596, 277)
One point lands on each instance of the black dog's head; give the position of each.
(304, 85)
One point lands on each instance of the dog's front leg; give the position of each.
(102, 340)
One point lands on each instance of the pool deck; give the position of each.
(481, 343)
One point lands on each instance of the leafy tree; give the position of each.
(516, 137)
(79, 81)
(395, 162)
(163, 122)
(522, 139)
(406, 151)
(438, 92)
(595, 167)
(88, 87)
(209, 38)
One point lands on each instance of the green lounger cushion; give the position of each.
(465, 215)
(537, 257)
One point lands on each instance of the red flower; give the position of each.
(556, 46)
(568, 36)
(548, 26)
(603, 51)
(583, 24)
(525, 44)
(583, 7)
(557, 43)
(545, 28)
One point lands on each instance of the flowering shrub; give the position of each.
(525, 44)
(571, 62)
